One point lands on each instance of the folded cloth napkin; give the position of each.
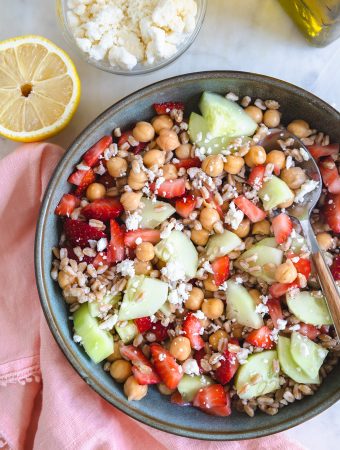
(44, 404)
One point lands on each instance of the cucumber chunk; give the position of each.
(178, 248)
(98, 343)
(154, 213)
(143, 297)
(97, 307)
(257, 364)
(289, 366)
(309, 309)
(222, 244)
(241, 306)
(189, 386)
(274, 192)
(308, 355)
(267, 242)
(264, 255)
(165, 309)
(128, 332)
(224, 117)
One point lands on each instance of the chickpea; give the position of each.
(154, 157)
(300, 128)
(209, 284)
(255, 113)
(163, 389)
(117, 166)
(120, 370)
(325, 241)
(237, 330)
(287, 203)
(116, 352)
(136, 181)
(286, 272)
(272, 118)
(199, 237)
(234, 164)
(208, 217)
(276, 157)
(161, 122)
(133, 390)
(167, 140)
(64, 279)
(213, 165)
(145, 251)
(142, 267)
(215, 338)
(143, 132)
(262, 227)
(130, 200)
(169, 172)
(213, 308)
(243, 229)
(95, 191)
(183, 151)
(195, 299)
(180, 348)
(294, 177)
(255, 295)
(256, 156)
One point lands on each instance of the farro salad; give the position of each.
(181, 266)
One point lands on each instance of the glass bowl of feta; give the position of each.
(130, 37)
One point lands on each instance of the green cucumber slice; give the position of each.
(309, 309)
(128, 332)
(154, 213)
(308, 355)
(190, 385)
(264, 255)
(267, 242)
(261, 366)
(108, 300)
(241, 306)
(274, 192)
(222, 244)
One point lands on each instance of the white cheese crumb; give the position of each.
(261, 309)
(242, 355)
(126, 268)
(190, 367)
(101, 244)
(307, 187)
(173, 271)
(77, 338)
(234, 216)
(132, 221)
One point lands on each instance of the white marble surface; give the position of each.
(249, 35)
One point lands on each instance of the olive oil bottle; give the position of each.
(319, 20)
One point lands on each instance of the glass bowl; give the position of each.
(139, 69)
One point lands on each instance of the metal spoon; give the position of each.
(301, 212)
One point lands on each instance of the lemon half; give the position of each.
(39, 88)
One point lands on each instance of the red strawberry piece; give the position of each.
(67, 205)
(170, 188)
(146, 235)
(177, 399)
(72, 255)
(166, 366)
(256, 176)
(126, 135)
(185, 205)
(79, 177)
(213, 400)
(116, 250)
(188, 163)
(330, 175)
(332, 212)
(100, 260)
(220, 266)
(192, 327)
(335, 268)
(229, 365)
(275, 310)
(282, 227)
(160, 331)
(253, 212)
(276, 290)
(302, 265)
(143, 324)
(103, 209)
(88, 178)
(319, 151)
(142, 368)
(260, 338)
(199, 355)
(92, 155)
(79, 233)
(167, 107)
(309, 330)
(324, 329)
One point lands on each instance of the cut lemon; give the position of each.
(39, 88)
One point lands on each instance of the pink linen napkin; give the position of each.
(44, 404)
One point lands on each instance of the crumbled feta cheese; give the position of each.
(167, 230)
(77, 338)
(101, 244)
(138, 241)
(190, 367)
(173, 271)
(261, 309)
(307, 187)
(242, 355)
(199, 314)
(234, 216)
(132, 221)
(126, 268)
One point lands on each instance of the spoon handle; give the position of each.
(326, 280)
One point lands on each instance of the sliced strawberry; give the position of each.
(87, 177)
(220, 266)
(229, 365)
(275, 310)
(185, 205)
(260, 338)
(282, 227)
(126, 135)
(100, 260)
(178, 400)
(302, 265)
(167, 107)
(160, 331)
(319, 151)
(116, 251)
(332, 212)
(170, 188)
(277, 290)
(256, 176)
(103, 209)
(80, 177)
(146, 235)
(253, 212)
(330, 175)
(92, 155)
(199, 355)
(79, 233)
(335, 268)
(192, 327)
(142, 367)
(67, 205)
(309, 330)
(166, 366)
(143, 324)
(213, 400)
(188, 163)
